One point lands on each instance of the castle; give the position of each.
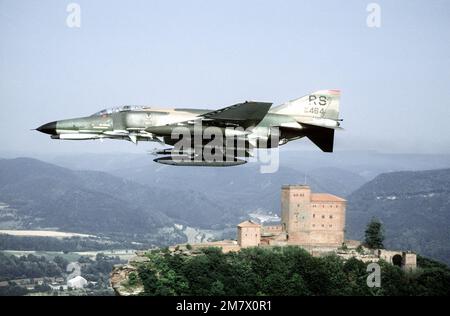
(308, 219)
(313, 221)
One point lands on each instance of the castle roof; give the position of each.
(295, 186)
(248, 224)
(325, 197)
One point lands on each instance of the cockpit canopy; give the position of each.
(123, 108)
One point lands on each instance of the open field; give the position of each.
(123, 254)
(42, 233)
(50, 255)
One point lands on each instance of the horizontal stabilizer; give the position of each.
(322, 137)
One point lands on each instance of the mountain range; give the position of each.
(414, 207)
(48, 196)
(138, 197)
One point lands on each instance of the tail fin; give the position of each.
(319, 104)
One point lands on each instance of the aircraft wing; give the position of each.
(244, 114)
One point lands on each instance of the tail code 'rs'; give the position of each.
(319, 104)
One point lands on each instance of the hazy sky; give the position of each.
(395, 80)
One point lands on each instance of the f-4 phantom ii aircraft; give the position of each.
(225, 134)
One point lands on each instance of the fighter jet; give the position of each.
(211, 138)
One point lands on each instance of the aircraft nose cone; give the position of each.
(49, 128)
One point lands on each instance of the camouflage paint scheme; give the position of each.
(315, 116)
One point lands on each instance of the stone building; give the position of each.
(248, 234)
(312, 219)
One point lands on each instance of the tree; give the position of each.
(217, 288)
(374, 235)
(132, 279)
(61, 262)
(42, 288)
(281, 271)
(360, 249)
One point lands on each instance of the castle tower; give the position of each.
(249, 234)
(312, 219)
(295, 216)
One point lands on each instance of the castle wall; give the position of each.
(312, 219)
(403, 259)
(249, 236)
(327, 223)
(272, 229)
(409, 261)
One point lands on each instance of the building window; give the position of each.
(323, 216)
(331, 216)
(330, 225)
(314, 215)
(301, 194)
(323, 225)
(314, 225)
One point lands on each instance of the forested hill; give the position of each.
(414, 207)
(277, 271)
